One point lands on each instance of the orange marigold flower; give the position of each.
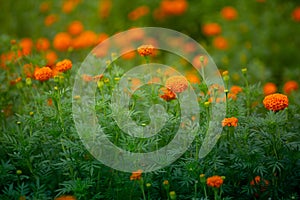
(63, 66)
(193, 78)
(85, 39)
(220, 43)
(269, 88)
(257, 181)
(26, 44)
(290, 86)
(44, 6)
(173, 7)
(62, 41)
(50, 19)
(235, 89)
(229, 13)
(43, 74)
(177, 84)
(66, 197)
(137, 175)
(211, 29)
(51, 57)
(104, 8)
(167, 95)
(42, 44)
(145, 50)
(231, 121)
(296, 14)
(214, 181)
(138, 12)
(276, 102)
(69, 5)
(75, 27)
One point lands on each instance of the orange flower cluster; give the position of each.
(276, 102)
(43, 74)
(234, 90)
(173, 7)
(138, 12)
(137, 175)
(290, 86)
(211, 29)
(231, 121)
(269, 88)
(145, 50)
(63, 66)
(220, 43)
(229, 13)
(75, 27)
(167, 95)
(296, 14)
(214, 181)
(66, 197)
(62, 41)
(177, 84)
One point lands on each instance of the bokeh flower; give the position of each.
(229, 13)
(43, 74)
(220, 43)
(276, 102)
(177, 84)
(290, 86)
(42, 44)
(173, 7)
(50, 19)
(214, 181)
(62, 41)
(231, 121)
(26, 45)
(296, 14)
(137, 175)
(269, 88)
(138, 12)
(211, 29)
(75, 27)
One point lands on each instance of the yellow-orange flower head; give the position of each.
(232, 121)
(145, 50)
(63, 66)
(43, 74)
(177, 84)
(214, 181)
(167, 95)
(137, 175)
(276, 102)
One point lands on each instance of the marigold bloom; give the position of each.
(85, 39)
(50, 19)
(167, 95)
(43, 74)
(290, 86)
(193, 78)
(145, 50)
(75, 27)
(229, 13)
(220, 43)
(256, 181)
(200, 61)
(138, 12)
(269, 88)
(173, 7)
(15, 81)
(104, 8)
(232, 121)
(66, 197)
(62, 41)
(276, 102)
(296, 14)
(177, 84)
(137, 175)
(214, 181)
(211, 29)
(45, 6)
(69, 5)
(26, 45)
(235, 89)
(63, 66)
(42, 44)
(51, 57)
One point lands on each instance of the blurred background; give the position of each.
(262, 35)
